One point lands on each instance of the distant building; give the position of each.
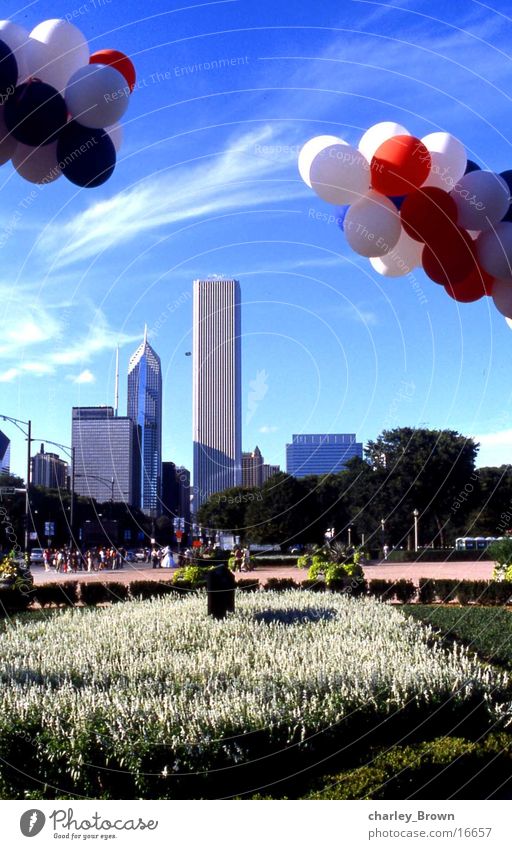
(216, 407)
(145, 410)
(268, 471)
(176, 492)
(5, 454)
(321, 453)
(106, 455)
(252, 468)
(49, 470)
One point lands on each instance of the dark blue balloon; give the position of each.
(87, 157)
(35, 113)
(507, 176)
(398, 201)
(471, 166)
(8, 72)
(340, 213)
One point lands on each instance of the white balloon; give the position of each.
(494, 250)
(449, 160)
(372, 225)
(340, 174)
(482, 199)
(116, 135)
(17, 39)
(311, 149)
(400, 261)
(57, 49)
(7, 142)
(376, 135)
(502, 297)
(97, 96)
(37, 164)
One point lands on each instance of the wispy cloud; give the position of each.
(9, 375)
(268, 429)
(495, 448)
(85, 376)
(241, 176)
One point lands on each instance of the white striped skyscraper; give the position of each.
(216, 387)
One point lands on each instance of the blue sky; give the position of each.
(207, 183)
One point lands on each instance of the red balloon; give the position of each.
(400, 165)
(117, 60)
(474, 287)
(452, 259)
(426, 212)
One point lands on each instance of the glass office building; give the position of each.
(321, 453)
(5, 454)
(106, 455)
(145, 410)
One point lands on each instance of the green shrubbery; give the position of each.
(448, 767)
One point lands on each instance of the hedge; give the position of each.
(436, 555)
(55, 594)
(448, 767)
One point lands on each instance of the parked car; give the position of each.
(141, 555)
(36, 555)
(130, 557)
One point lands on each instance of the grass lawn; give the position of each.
(485, 630)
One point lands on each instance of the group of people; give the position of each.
(92, 560)
(242, 558)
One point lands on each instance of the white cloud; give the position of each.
(241, 176)
(9, 375)
(268, 429)
(495, 448)
(85, 376)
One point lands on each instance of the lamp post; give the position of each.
(70, 451)
(415, 513)
(382, 533)
(349, 534)
(28, 433)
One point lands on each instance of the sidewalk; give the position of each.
(477, 570)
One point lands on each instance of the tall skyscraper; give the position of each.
(320, 453)
(176, 491)
(49, 470)
(145, 410)
(252, 468)
(5, 454)
(106, 450)
(216, 387)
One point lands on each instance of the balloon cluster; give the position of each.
(406, 202)
(60, 105)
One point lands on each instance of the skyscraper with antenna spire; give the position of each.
(145, 409)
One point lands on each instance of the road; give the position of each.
(481, 569)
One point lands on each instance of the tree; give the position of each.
(226, 511)
(427, 470)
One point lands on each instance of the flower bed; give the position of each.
(131, 700)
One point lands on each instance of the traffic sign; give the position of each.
(49, 529)
(179, 535)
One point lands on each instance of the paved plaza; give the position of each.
(480, 569)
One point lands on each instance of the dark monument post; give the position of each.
(220, 587)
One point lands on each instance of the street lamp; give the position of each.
(349, 534)
(415, 513)
(28, 433)
(382, 532)
(70, 451)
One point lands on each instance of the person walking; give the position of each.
(155, 559)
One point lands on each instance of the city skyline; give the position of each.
(207, 181)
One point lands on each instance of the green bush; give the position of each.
(426, 591)
(405, 591)
(381, 588)
(248, 585)
(315, 586)
(58, 595)
(445, 589)
(94, 592)
(193, 575)
(149, 589)
(438, 555)
(448, 767)
(118, 591)
(13, 600)
(281, 584)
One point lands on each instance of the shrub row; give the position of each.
(430, 590)
(436, 555)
